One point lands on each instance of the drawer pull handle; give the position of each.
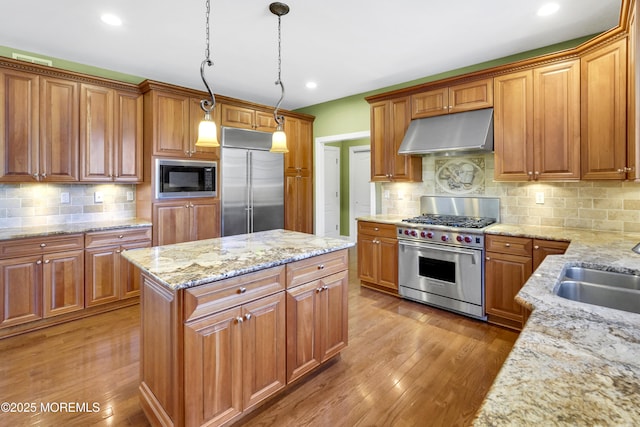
(242, 290)
(42, 245)
(247, 316)
(508, 245)
(321, 267)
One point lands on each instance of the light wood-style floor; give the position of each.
(406, 365)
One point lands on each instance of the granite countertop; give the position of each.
(78, 227)
(573, 363)
(185, 265)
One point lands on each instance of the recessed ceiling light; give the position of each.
(311, 85)
(111, 19)
(548, 9)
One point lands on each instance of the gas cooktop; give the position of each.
(451, 221)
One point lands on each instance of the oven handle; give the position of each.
(473, 254)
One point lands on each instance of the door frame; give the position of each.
(353, 231)
(318, 218)
(330, 148)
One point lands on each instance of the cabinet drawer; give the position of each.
(509, 245)
(377, 229)
(114, 237)
(314, 268)
(41, 245)
(221, 295)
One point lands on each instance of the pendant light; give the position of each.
(279, 139)
(207, 130)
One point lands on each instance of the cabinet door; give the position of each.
(513, 126)
(379, 136)
(205, 220)
(542, 248)
(388, 267)
(299, 159)
(303, 340)
(263, 346)
(237, 117)
(603, 76)
(96, 133)
(63, 282)
(20, 290)
(431, 103)
(471, 96)
(403, 168)
(265, 122)
(213, 377)
(171, 124)
(19, 103)
(556, 132)
(368, 258)
(130, 278)
(127, 138)
(298, 204)
(333, 312)
(504, 276)
(171, 223)
(102, 275)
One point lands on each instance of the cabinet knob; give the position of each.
(42, 245)
(35, 176)
(186, 206)
(508, 245)
(120, 236)
(38, 262)
(118, 251)
(321, 267)
(536, 247)
(325, 287)
(247, 316)
(242, 290)
(44, 175)
(239, 319)
(47, 261)
(318, 290)
(376, 229)
(488, 258)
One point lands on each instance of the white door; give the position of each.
(331, 191)
(360, 186)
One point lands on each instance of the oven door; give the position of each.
(446, 271)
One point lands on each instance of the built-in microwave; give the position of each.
(185, 178)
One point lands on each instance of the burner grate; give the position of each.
(451, 221)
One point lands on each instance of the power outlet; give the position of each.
(97, 197)
(129, 196)
(540, 198)
(64, 198)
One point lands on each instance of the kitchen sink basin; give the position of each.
(604, 288)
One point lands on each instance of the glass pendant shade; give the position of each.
(207, 133)
(279, 141)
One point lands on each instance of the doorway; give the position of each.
(361, 189)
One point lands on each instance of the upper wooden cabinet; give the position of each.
(38, 128)
(633, 98)
(537, 124)
(247, 118)
(463, 97)
(298, 171)
(171, 121)
(604, 114)
(389, 122)
(110, 135)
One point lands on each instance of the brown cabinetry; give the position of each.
(247, 118)
(298, 176)
(389, 122)
(108, 278)
(38, 128)
(185, 220)
(378, 256)
(316, 312)
(510, 261)
(40, 278)
(633, 96)
(537, 124)
(234, 357)
(463, 97)
(110, 135)
(603, 115)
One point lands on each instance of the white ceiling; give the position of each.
(346, 46)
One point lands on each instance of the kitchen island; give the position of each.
(573, 363)
(229, 322)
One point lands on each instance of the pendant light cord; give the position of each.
(279, 119)
(205, 104)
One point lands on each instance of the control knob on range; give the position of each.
(444, 238)
(459, 238)
(430, 234)
(414, 233)
(423, 234)
(406, 232)
(467, 239)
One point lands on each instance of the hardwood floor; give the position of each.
(406, 365)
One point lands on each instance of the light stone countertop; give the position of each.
(190, 264)
(573, 364)
(71, 228)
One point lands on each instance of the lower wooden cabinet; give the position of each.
(378, 256)
(185, 220)
(62, 282)
(510, 261)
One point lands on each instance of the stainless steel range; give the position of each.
(441, 253)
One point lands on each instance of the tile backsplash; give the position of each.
(23, 205)
(597, 205)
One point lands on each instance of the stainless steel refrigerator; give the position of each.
(252, 182)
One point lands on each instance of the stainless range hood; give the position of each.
(458, 132)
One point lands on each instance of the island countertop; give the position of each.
(573, 363)
(185, 265)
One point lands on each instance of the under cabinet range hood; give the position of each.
(450, 133)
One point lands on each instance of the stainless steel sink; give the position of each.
(604, 288)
